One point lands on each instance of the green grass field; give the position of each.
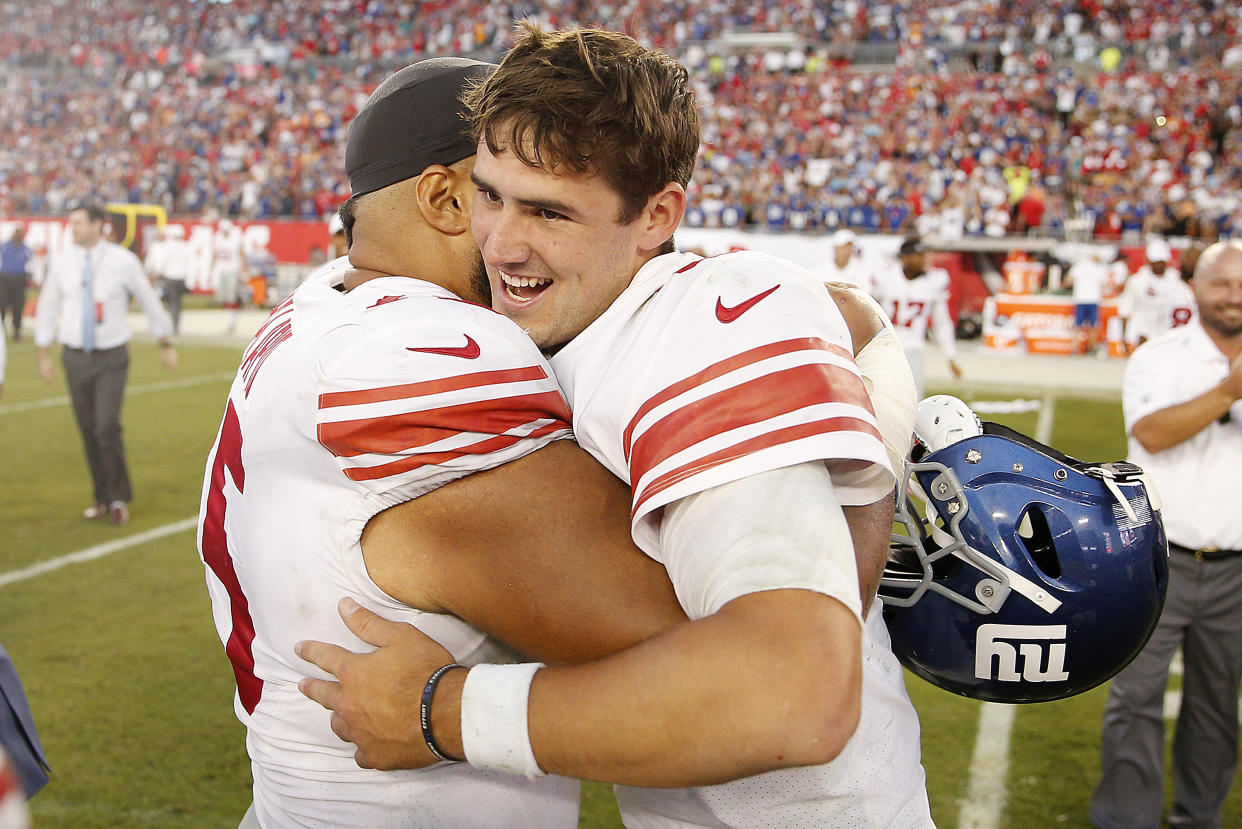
(130, 687)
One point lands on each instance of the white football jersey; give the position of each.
(917, 305)
(1155, 304)
(346, 404)
(226, 250)
(706, 371)
(914, 306)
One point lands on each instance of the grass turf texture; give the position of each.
(133, 695)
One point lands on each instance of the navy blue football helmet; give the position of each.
(1021, 574)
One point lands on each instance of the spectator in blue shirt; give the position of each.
(14, 273)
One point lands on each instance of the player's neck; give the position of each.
(356, 276)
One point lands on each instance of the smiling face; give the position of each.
(1218, 289)
(555, 252)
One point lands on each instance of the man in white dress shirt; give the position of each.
(1182, 398)
(847, 264)
(83, 306)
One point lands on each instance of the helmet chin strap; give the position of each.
(1126, 472)
(1109, 479)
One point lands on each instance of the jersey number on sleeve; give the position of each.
(216, 556)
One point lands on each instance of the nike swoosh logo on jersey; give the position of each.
(728, 315)
(468, 351)
(384, 301)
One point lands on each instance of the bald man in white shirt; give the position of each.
(1182, 398)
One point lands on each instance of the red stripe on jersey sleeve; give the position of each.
(747, 447)
(723, 367)
(755, 401)
(411, 462)
(405, 431)
(461, 381)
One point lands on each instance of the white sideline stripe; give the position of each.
(987, 795)
(1019, 406)
(1172, 703)
(1043, 426)
(98, 551)
(985, 801)
(163, 385)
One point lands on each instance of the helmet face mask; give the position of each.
(1019, 574)
(932, 552)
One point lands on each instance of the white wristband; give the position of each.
(494, 733)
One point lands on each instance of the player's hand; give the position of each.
(375, 700)
(46, 370)
(168, 356)
(955, 369)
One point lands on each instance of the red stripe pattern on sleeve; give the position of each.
(771, 395)
(390, 430)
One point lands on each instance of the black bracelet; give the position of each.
(424, 711)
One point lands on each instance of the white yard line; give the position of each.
(98, 551)
(987, 795)
(164, 385)
(986, 798)
(1043, 426)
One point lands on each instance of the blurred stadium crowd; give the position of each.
(1065, 118)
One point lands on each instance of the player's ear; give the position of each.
(442, 201)
(662, 215)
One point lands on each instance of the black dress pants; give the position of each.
(97, 386)
(12, 301)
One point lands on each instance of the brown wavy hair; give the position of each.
(591, 101)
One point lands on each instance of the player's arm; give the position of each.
(862, 314)
(158, 321)
(942, 329)
(768, 677)
(47, 314)
(886, 374)
(537, 552)
(139, 287)
(1126, 306)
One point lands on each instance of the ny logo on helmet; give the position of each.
(988, 645)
